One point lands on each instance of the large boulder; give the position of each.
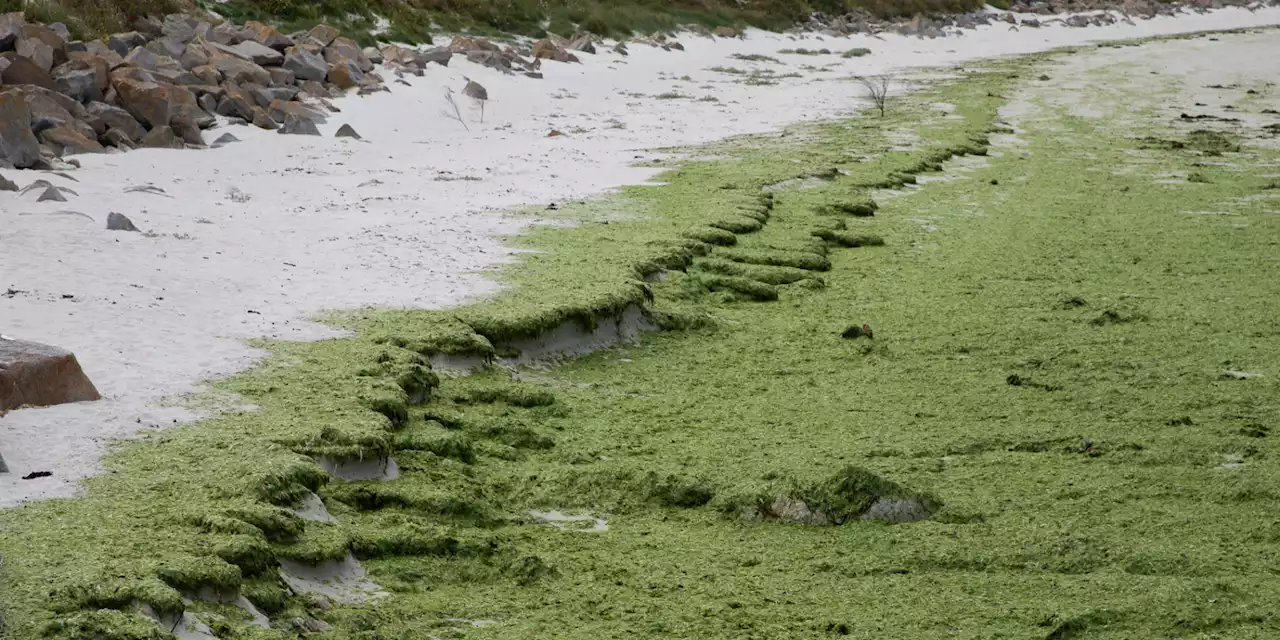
(142, 58)
(110, 117)
(162, 137)
(547, 50)
(236, 102)
(323, 34)
(10, 28)
(40, 375)
(46, 41)
(193, 55)
(241, 71)
(18, 145)
(156, 103)
(259, 54)
(23, 71)
(345, 74)
(266, 35)
(123, 43)
(167, 47)
(208, 74)
(66, 141)
(81, 79)
(280, 110)
(346, 49)
(305, 65)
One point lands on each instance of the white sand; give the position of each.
(262, 234)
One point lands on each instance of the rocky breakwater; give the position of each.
(165, 82)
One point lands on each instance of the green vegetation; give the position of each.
(1042, 407)
(415, 20)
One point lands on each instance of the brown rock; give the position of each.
(314, 88)
(123, 43)
(162, 137)
(50, 38)
(345, 74)
(146, 101)
(464, 44)
(208, 102)
(33, 374)
(188, 130)
(167, 47)
(305, 64)
(262, 121)
(65, 140)
(725, 32)
(24, 71)
(280, 76)
(228, 34)
(547, 50)
(266, 35)
(343, 49)
(142, 58)
(323, 34)
(118, 140)
(208, 74)
(18, 145)
(279, 110)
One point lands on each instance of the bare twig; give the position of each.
(877, 89)
(453, 111)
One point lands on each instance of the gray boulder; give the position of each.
(258, 53)
(119, 222)
(18, 144)
(305, 65)
(346, 131)
(40, 375)
(299, 126)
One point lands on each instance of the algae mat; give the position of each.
(1056, 423)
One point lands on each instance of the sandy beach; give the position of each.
(253, 239)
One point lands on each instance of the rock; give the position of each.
(672, 45)
(546, 50)
(344, 49)
(259, 54)
(241, 71)
(177, 76)
(116, 119)
(323, 34)
(725, 32)
(123, 43)
(582, 42)
(162, 137)
(372, 54)
(228, 34)
(39, 375)
(167, 47)
(119, 222)
(345, 74)
(24, 71)
(264, 96)
(10, 28)
(208, 102)
(491, 60)
(298, 126)
(464, 44)
(313, 88)
(208, 74)
(81, 84)
(305, 65)
(281, 76)
(5, 183)
(193, 55)
(236, 101)
(37, 52)
(142, 58)
(620, 49)
(51, 194)
(149, 102)
(66, 140)
(56, 44)
(263, 121)
(18, 145)
(266, 35)
(224, 140)
(115, 139)
(438, 55)
(188, 130)
(280, 110)
(346, 131)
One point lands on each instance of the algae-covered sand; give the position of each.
(1066, 400)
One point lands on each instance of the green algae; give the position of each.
(1139, 534)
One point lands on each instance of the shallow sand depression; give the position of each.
(252, 239)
